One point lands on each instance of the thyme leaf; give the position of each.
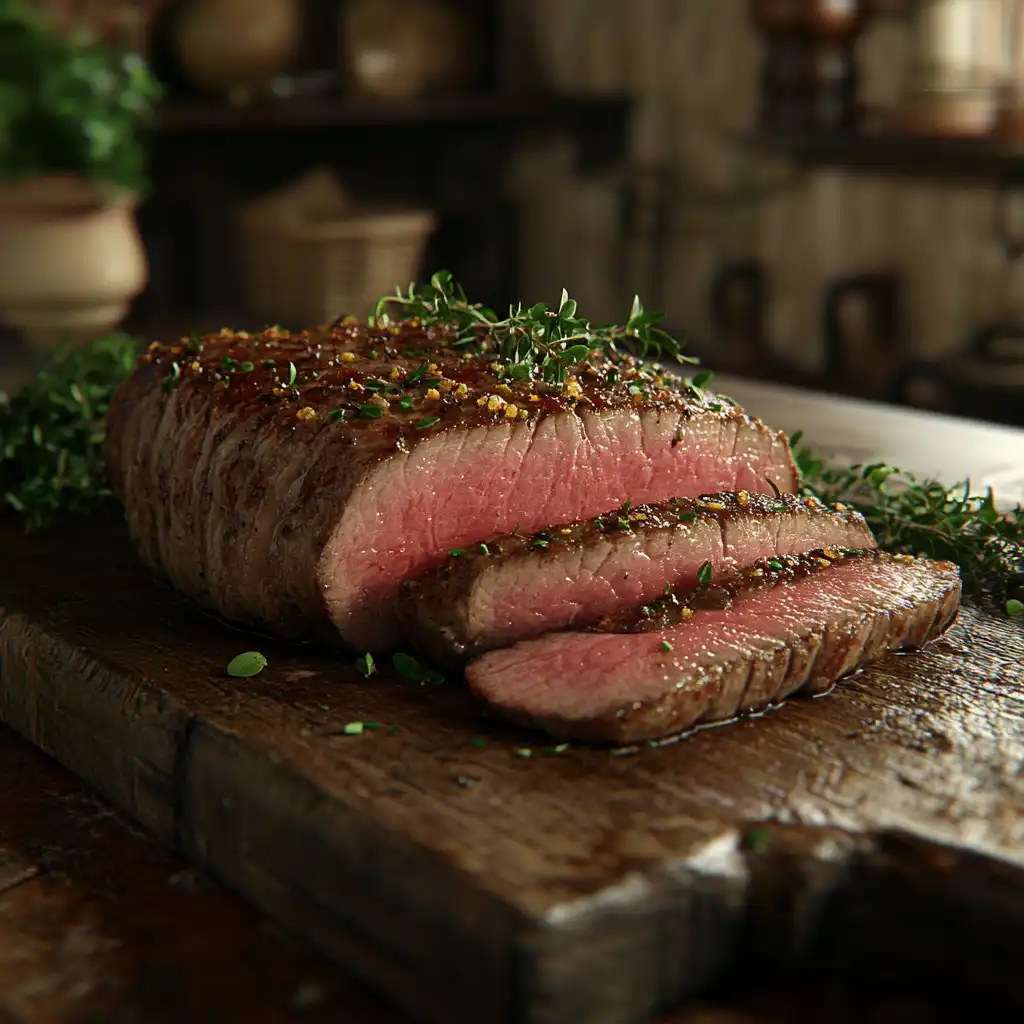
(915, 516)
(531, 342)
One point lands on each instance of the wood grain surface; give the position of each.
(98, 924)
(473, 883)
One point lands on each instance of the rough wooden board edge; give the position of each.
(200, 788)
(610, 959)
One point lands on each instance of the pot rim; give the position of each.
(60, 194)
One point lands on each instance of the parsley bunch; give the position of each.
(530, 342)
(52, 431)
(912, 516)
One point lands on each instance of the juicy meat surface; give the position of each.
(294, 480)
(519, 586)
(797, 636)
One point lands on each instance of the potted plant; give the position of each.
(72, 168)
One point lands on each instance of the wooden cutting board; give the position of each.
(475, 883)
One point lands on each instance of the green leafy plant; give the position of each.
(924, 517)
(52, 431)
(69, 105)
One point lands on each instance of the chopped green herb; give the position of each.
(374, 385)
(702, 379)
(365, 665)
(172, 378)
(371, 411)
(687, 517)
(373, 353)
(757, 840)
(1015, 607)
(540, 543)
(558, 748)
(515, 532)
(776, 565)
(666, 646)
(524, 752)
(248, 367)
(292, 374)
(246, 665)
(353, 728)
(406, 404)
(416, 374)
(425, 423)
(457, 552)
(704, 573)
(484, 549)
(478, 742)
(409, 668)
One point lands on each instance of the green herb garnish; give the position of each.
(457, 552)
(353, 728)
(478, 742)
(687, 517)
(336, 415)
(409, 668)
(757, 840)
(292, 373)
(914, 516)
(534, 341)
(666, 646)
(524, 752)
(246, 665)
(52, 432)
(425, 423)
(365, 665)
(371, 411)
(704, 573)
(1014, 607)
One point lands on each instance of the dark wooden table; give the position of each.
(99, 924)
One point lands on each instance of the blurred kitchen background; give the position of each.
(823, 192)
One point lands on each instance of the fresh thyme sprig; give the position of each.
(52, 431)
(924, 517)
(530, 342)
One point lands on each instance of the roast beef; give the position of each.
(294, 480)
(520, 586)
(712, 656)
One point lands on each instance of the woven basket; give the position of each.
(310, 268)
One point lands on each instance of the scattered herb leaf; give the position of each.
(704, 573)
(246, 665)
(371, 411)
(353, 728)
(666, 646)
(425, 423)
(292, 374)
(365, 665)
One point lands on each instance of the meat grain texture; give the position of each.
(295, 480)
(798, 635)
(519, 586)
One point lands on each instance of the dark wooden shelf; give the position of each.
(889, 152)
(178, 117)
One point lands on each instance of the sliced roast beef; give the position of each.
(519, 586)
(295, 480)
(796, 629)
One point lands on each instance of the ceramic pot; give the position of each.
(402, 48)
(71, 259)
(233, 47)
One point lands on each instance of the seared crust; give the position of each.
(236, 455)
